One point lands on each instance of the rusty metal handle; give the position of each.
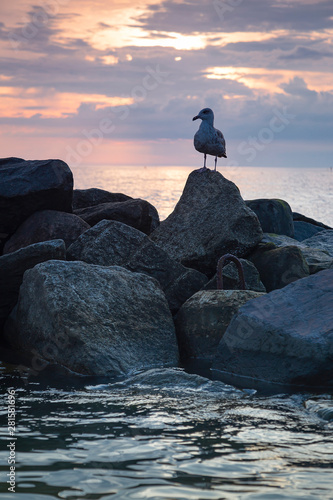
(220, 265)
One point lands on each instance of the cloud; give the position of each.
(305, 53)
(61, 83)
(222, 15)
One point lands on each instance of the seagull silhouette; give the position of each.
(208, 140)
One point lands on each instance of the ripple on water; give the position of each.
(165, 434)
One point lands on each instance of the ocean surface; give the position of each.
(308, 190)
(167, 434)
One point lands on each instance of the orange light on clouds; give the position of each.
(27, 102)
(269, 79)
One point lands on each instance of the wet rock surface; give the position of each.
(93, 320)
(285, 336)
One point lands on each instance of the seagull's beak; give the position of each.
(195, 118)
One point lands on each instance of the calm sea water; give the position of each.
(166, 434)
(308, 191)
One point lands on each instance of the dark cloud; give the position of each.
(305, 53)
(191, 16)
(165, 110)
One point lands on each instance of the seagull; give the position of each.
(209, 140)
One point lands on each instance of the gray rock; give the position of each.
(304, 230)
(111, 243)
(44, 226)
(285, 336)
(275, 216)
(29, 186)
(303, 218)
(203, 319)
(209, 220)
(316, 259)
(280, 240)
(279, 266)
(322, 240)
(136, 213)
(14, 265)
(83, 198)
(93, 320)
(231, 279)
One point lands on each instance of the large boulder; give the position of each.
(275, 215)
(300, 217)
(210, 220)
(137, 213)
(29, 186)
(44, 226)
(14, 265)
(93, 320)
(231, 278)
(304, 230)
(279, 266)
(322, 240)
(111, 243)
(284, 337)
(316, 259)
(83, 198)
(203, 319)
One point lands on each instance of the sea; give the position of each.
(168, 433)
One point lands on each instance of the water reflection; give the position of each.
(308, 191)
(167, 434)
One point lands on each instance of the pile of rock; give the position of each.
(92, 280)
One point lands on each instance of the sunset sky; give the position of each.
(97, 82)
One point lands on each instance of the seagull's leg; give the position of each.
(204, 167)
(215, 161)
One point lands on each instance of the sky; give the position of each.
(118, 83)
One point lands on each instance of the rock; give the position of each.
(44, 226)
(322, 240)
(210, 220)
(135, 213)
(29, 186)
(275, 216)
(83, 198)
(285, 336)
(231, 279)
(203, 319)
(111, 243)
(279, 266)
(280, 240)
(14, 265)
(304, 230)
(303, 218)
(317, 260)
(93, 320)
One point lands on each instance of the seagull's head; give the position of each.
(205, 114)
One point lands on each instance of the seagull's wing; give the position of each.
(219, 142)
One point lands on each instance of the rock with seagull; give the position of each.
(209, 140)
